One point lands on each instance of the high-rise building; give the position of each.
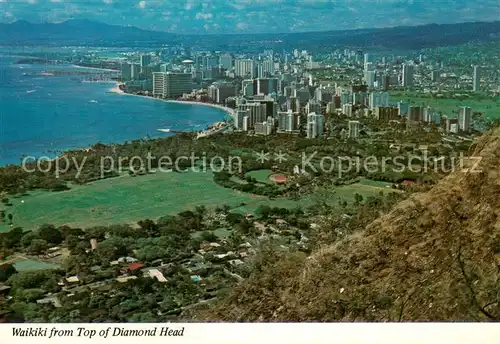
(147, 72)
(407, 77)
(403, 108)
(248, 88)
(359, 98)
(293, 104)
(378, 99)
(313, 106)
(347, 110)
(330, 107)
(435, 117)
(256, 113)
(464, 118)
(288, 121)
(283, 122)
(367, 59)
(315, 125)
(354, 129)
(136, 71)
(238, 118)
(226, 61)
(263, 128)
(260, 71)
(219, 92)
(385, 113)
(415, 113)
(159, 84)
(246, 125)
(385, 82)
(302, 95)
(345, 98)
(268, 68)
(287, 91)
(266, 86)
(126, 69)
(435, 75)
(477, 79)
(324, 94)
(370, 78)
(211, 61)
(369, 66)
(171, 85)
(243, 67)
(145, 60)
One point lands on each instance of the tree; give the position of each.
(28, 238)
(50, 234)
(12, 238)
(6, 270)
(264, 211)
(358, 199)
(38, 246)
(209, 236)
(9, 217)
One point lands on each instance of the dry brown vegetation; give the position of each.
(433, 257)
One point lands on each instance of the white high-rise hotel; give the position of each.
(243, 67)
(465, 118)
(353, 129)
(315, 125)
(476, 79)
(171, 85)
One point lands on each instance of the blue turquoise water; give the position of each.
(43, 115)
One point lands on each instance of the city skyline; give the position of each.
(242, 16)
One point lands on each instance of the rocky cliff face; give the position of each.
(434, 257)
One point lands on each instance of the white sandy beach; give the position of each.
(229, 111)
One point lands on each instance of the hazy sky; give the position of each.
(228, 16)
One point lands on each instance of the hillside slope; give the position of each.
(434, 257)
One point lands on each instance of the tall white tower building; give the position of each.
(477, 79)
(315, 125)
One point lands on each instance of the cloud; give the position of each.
(242, 26)
(204, 16)
(256, 16)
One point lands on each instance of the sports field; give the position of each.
(130, 199)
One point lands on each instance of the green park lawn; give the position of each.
(33, 265)
(130, 199)
(449, 106)
(262, 176)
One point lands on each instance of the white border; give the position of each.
(345, 333)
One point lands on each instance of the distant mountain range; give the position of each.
(86, 32)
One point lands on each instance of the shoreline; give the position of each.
(201, 133)
(95, 68)
(227, 110)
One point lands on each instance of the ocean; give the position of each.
(44, 115)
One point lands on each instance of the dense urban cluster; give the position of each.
(296, 92)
